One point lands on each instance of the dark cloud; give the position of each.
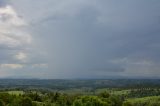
(118, 69)
(99, 33)
(93, 38)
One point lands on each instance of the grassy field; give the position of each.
(113, 91)
(15, 92)
(145, 101)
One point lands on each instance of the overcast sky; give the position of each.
(79, 38)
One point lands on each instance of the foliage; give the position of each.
(81, 93)
(1, 103)
(90, 101)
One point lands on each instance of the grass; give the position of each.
(15, 92)
(145, 101)
(113, 91)
(43, 103)
(150, 98)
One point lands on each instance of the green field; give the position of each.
(113, 91)
(16, 92)
(145, 101)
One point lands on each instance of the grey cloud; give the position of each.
(81, 42)
(118, 69)
(79, 38)
(2, 2)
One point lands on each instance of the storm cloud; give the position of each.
(80, 39)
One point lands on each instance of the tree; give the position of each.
(89, 101)
(115, 100)
(127, 104)
(1, 103)
(15, 102)
(26, 101)
(104, 94)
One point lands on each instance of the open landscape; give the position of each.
(100, 92)
(79, 52)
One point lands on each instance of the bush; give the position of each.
(26, 102)
(89, 101)
(1, 103)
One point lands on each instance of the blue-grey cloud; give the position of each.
(2, 2)
(92, 38)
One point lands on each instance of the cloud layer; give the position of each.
(15, 43)
(80, 39)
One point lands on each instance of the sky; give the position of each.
(60, 39)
